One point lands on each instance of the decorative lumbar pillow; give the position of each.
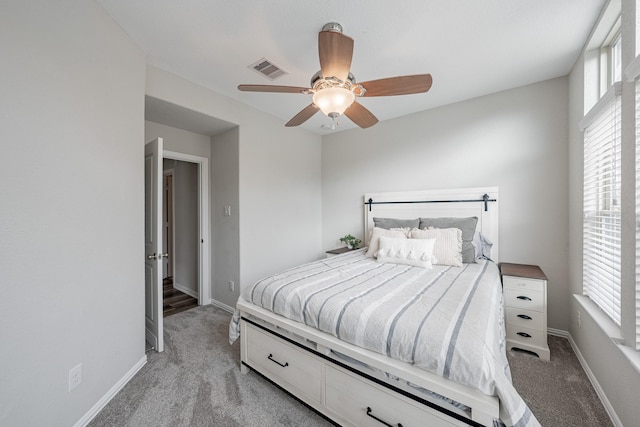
(415, 252)
(376, 233)
(448, 247)
(388, 223)
(466, 225)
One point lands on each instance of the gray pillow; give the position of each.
(388, 223)
(466, 225)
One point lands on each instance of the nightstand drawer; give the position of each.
(512, 282)
(283, 363)
(525, 318)
(527, 336)
(524, 299)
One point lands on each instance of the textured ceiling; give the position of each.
(470, 47)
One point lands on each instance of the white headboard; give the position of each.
(463, 202)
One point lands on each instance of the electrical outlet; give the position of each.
(579, 320)
(232, 286)
(75, 376)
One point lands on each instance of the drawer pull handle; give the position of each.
(369, 413)
(524, 334)
(524, 316)
(270, 357)
(523, 298)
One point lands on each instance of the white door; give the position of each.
(153, 243)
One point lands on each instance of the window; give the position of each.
(632, 73)
(601, 215)
(637, 213)
(611, 58)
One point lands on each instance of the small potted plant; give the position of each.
(350, 241)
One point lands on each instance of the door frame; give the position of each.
(204, 258)
(171, 249)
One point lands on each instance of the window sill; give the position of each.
(610, 329)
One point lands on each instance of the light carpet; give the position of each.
(197, 382)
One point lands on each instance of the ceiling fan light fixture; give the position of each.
(333, 101)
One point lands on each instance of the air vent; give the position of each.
(267, 69)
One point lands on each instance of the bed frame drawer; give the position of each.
(283, 363)
(359, 402)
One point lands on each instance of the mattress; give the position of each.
(445, 320)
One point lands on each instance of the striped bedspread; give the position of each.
(445, 320)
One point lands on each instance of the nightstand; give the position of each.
(525, 301)
(334, 252)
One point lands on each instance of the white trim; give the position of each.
(186, 290)
(95, 409)
(605, 22)
(558, 332)
(222, 306)
(614, 91)
(204, 279)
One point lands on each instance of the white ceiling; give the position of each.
(470, 47)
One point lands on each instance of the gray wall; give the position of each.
(178, 140)
(225, 175)
(71, 209)
(516, 140)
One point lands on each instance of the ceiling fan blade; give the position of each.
(360, 115)
(401, 85)
(303, 115)
(336, 51)
(272, 88)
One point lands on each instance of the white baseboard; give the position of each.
(222, 305)
(186, 290)
(592, 378)
(558, 332)
(90, 415)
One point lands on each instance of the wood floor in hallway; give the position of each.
(175, 301)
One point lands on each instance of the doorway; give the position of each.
(180, 239)
(154, 283)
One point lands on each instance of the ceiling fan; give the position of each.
(334, 88)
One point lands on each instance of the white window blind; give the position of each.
(638, 214)
(601, 214)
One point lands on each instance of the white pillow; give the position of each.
(415, 252)
(376, 233)
(448, 247)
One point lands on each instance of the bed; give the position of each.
(387, 335)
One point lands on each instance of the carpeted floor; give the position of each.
(558, 392)
(197, 382)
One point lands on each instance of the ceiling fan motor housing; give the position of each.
(332, 26)
(317, 76)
